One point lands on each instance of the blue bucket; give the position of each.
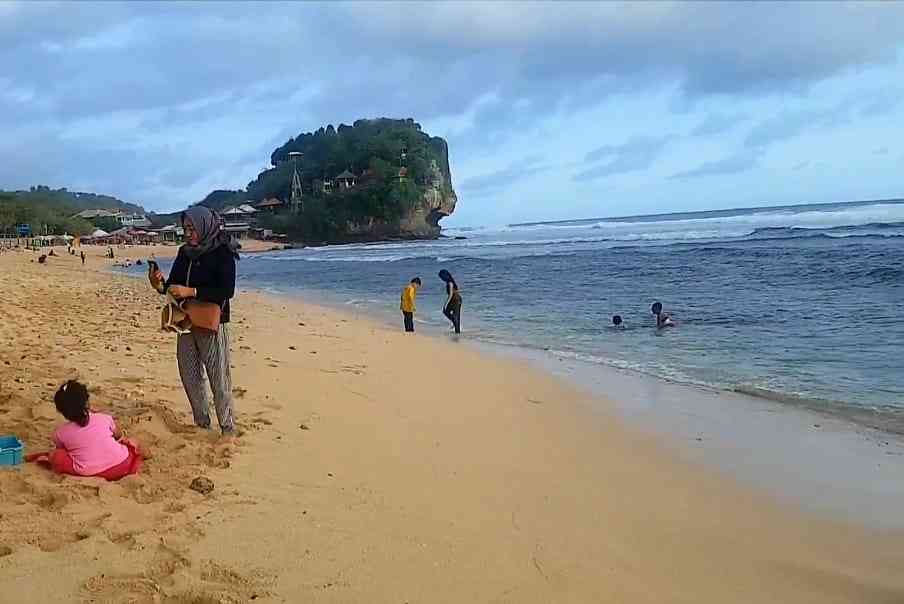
(10, 451)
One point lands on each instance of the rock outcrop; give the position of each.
(376, 179)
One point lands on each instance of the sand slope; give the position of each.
(373, 467)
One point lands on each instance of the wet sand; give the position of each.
(372, 467)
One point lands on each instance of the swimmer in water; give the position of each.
(617, 322)
(663, 319)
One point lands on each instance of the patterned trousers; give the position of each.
(203, 350)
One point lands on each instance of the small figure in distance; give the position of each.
(663, 319)
(617, 322)
(407, 306)
(452, 308)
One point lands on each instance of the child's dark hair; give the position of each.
(656, 308)
(616, 320)
(72, 402)
(416, 280)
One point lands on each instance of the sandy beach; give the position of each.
(371, 467)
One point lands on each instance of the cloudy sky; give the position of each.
(551, 110)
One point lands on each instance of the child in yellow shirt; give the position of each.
(407, 305)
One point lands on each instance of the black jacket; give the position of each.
(212, 274)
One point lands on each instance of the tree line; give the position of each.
(52, 211)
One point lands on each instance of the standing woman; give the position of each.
(204, 270)
(452, 308)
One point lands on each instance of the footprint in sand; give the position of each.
(173, 578)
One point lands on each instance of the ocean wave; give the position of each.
(885, 417)
(885, 274)
(838, 215)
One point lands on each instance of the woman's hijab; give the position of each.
(448, 278)
(207, 224)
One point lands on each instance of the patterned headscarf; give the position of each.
(207, 224)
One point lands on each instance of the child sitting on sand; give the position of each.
(89, 444)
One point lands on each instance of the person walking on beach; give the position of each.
(204, 270)
(407, 305)
(452, 308)
(83, 258)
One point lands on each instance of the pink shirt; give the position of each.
(92, 448)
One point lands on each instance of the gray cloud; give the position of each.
(638, 153)
(492, 182)
(883, 102)
(258, 70)
(733, 164)
(717, 123)
(792, 123)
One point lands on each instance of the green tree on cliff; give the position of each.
(373, 150)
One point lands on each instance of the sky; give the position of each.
(551, 111)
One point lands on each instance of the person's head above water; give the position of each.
(71, 401)
(656, 308)
(416, 281)
(616, 320)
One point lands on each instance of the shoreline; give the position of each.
(886, 420)
(883, 416)
(720, 429)
(375, 467)
(723, 430)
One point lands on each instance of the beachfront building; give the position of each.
(346, 180)
(239, 230)
(270, 205)
(133, 220)
(238, 214)
(123, 218)
(171, 233)
(239, 220)
(97, 213)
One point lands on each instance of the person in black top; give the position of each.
(204, 270)
(663, 319)
(452, 307)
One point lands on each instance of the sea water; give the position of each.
(798, 304)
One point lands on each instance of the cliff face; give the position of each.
(438, 200)
(376, 179)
